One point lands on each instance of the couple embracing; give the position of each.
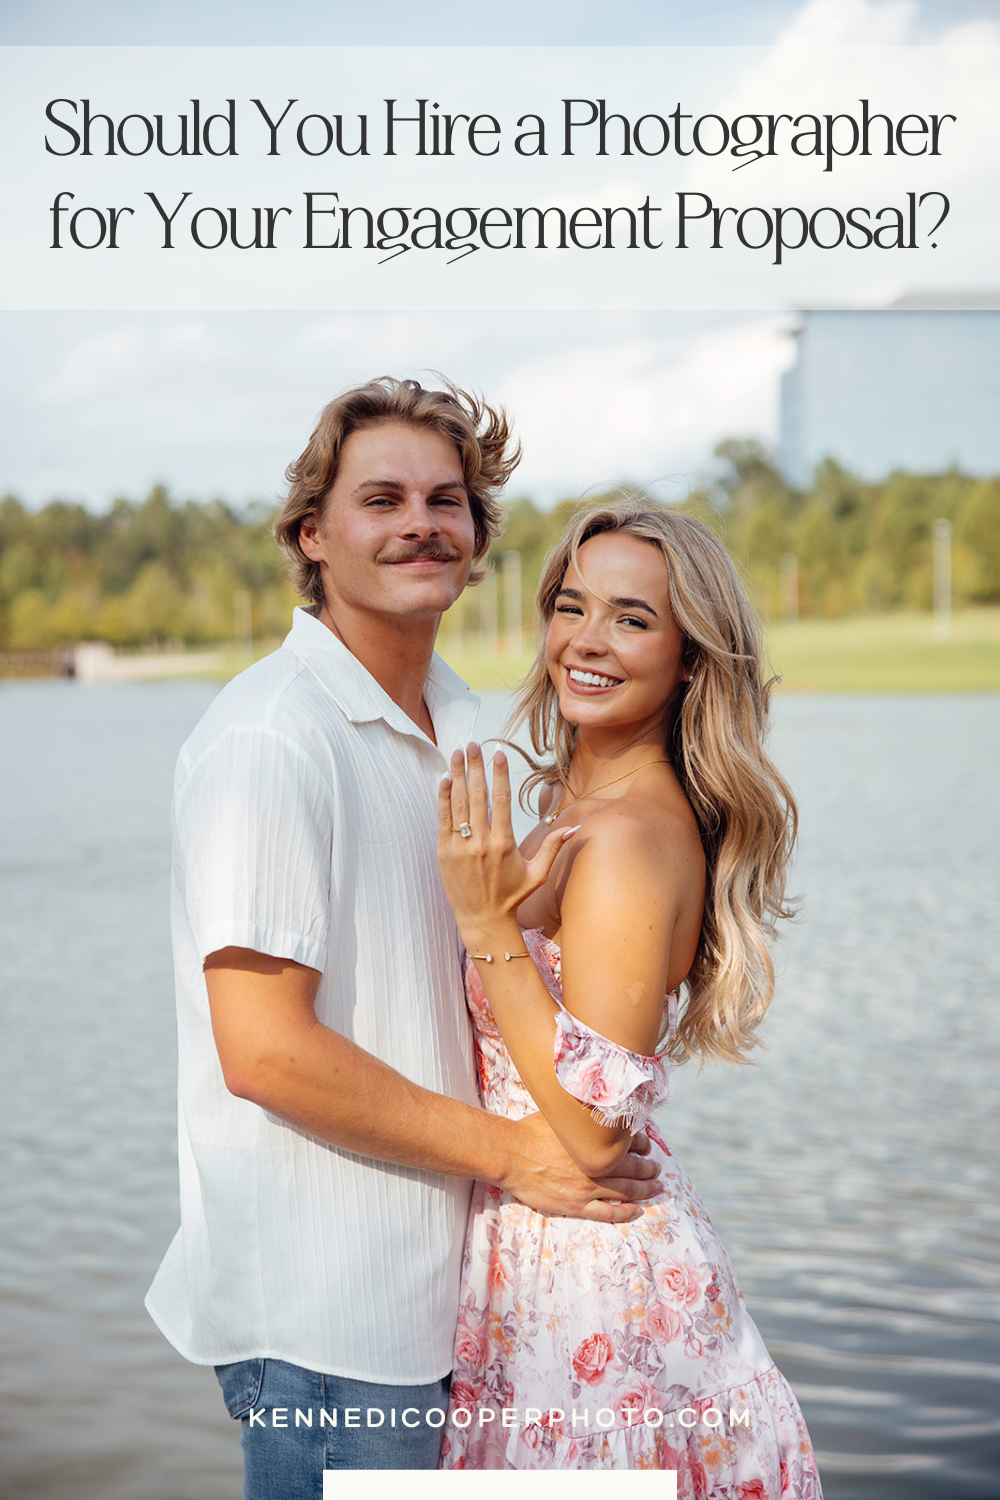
(347, 893)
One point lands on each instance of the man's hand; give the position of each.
(275, 1053)
(544, 1177)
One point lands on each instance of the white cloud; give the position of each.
(644, 408)
(878, 23)
(385, 344)
(124, 358)
(95, 365)
(192, 339)
(825, 23)
(981, 33)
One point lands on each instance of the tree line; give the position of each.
(158, 572)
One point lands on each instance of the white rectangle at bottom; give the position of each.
(494, 1484)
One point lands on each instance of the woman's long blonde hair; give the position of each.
(715, 742)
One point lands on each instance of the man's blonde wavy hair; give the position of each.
(481, 434)
(715, 742)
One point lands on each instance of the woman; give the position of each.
(659, 861)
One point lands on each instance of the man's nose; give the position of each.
(419, 520)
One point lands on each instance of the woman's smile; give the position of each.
(613, 651)
(582, 680)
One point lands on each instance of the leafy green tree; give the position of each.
(155, 604)
(28, 622)
(977, 535)
(20, 568)
(159, 570)
(900, 542)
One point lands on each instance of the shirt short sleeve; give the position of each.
(253, 828)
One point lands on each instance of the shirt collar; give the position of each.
(360, 698)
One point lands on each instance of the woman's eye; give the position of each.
(567, 609)
(634, 620)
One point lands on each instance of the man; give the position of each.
(328, 1116)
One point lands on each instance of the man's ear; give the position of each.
(309, 541)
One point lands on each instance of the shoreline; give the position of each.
(887, 654)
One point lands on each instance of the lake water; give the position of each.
(853, 1173)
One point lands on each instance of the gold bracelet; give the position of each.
(487, 958)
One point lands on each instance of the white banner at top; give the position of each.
(494, 177)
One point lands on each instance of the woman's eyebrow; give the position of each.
(618, 603)
(635, 604)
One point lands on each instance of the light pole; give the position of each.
(243, 622)
(941, 564)
(789, 589)
(488, 601)
(512, 602)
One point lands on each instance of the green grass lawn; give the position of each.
(889, 654)
(893, 653)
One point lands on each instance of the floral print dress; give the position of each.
(611, 1346)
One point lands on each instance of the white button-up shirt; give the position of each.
(305, 824)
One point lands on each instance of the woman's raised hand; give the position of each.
(485, 875)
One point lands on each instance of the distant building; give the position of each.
(915, 386)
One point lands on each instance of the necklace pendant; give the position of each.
(550, 818)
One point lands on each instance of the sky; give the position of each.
(516, 22)
(97, 404)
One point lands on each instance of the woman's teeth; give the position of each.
(591, 679)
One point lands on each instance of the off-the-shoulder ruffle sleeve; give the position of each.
(620, 1087)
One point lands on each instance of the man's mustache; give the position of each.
(421, 552)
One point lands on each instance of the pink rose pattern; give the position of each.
(591, 1357)
(564, 1315)
(620, 1086)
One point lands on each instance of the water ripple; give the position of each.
(852, 1174)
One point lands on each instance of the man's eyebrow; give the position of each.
(618, 603)
(398, 486)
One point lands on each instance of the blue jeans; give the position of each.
(298, 1423)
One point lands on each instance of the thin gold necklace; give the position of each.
(551, 817)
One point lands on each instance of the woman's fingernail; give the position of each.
(446, 783)
(499, 759)
(474, 750)
(568, 831)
